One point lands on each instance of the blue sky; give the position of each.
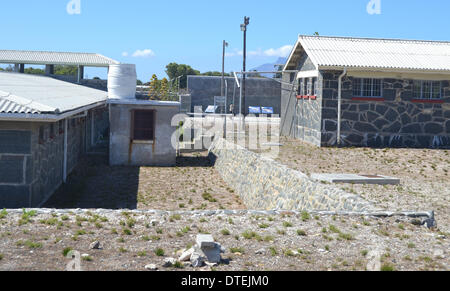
(191, 32)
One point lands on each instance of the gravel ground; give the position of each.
(283, 241)
(192, 185)
(254, 241)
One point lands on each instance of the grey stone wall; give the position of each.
(301, 118)
(264, 184)
(15, 164)
(125, 152)
(395, 122)
(259, 92)
(31, 166)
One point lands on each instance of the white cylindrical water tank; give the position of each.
(122, 81)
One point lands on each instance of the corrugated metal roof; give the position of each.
(54, 58)
(22, 93)
(9, 106)
(391, 54)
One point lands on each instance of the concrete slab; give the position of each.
(356, 179)
(205, 241)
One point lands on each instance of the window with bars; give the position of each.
(143, 125)
(367, 87)
(301, 87)
(427, 89)
(315, 88)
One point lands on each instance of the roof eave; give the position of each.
(47, 117)
(382, 69)
(98, 65)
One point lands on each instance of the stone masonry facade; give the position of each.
(264, 184)
(394, 120)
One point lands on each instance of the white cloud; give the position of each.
(283, 51)
(125, 54)
(235, 52)
(145, 53)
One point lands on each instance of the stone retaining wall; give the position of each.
(266, 184)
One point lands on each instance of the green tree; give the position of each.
(174, 70)
(154, 88)
(34, 71)
(66, 70)
(164, 89)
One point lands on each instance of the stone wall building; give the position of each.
(367, 92)
(46, 125)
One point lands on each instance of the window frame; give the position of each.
(431, 90)
(361, 84)
(133, 126)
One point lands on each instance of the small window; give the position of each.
(427, 90)
(143, 125)
(367, 87)
(309, 90)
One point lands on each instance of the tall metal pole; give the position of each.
(244, 29)
(225, 44)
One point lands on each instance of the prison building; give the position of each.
(46, 125)
(367, 92)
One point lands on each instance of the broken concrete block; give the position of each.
(213, 254)
(205, 241)
(197, 259)
(186, 256)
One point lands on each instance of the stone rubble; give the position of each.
(151, 267)
(95, 246)
(206, 251)
(169, 262)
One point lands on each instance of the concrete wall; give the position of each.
(394, 121)
(31, 168)
(125, 152)
(264, 184)
(259, 92)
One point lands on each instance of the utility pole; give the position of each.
(244, 29)
(225, 44)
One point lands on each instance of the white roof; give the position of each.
(32, 94)
(366, 53)
(54, 58)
